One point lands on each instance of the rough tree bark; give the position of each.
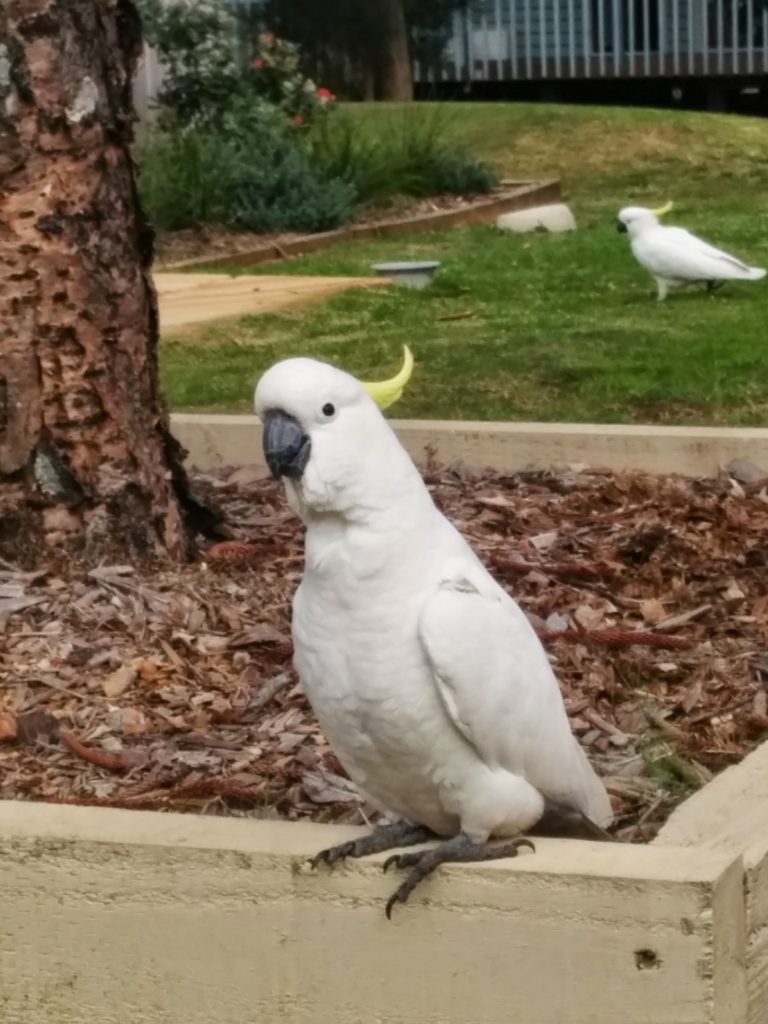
(86, 457)
(393, 72)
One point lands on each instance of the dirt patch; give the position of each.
(435, 213)
(215, 241)
(174, 689)
(188, 299)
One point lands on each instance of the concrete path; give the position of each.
(187, 299)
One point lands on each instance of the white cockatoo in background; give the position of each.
(673, 256)
(427, 678)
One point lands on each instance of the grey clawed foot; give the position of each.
(333, 854)
(402, 860)
(459, 849)
(385, 837)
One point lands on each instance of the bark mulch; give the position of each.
(173, 688)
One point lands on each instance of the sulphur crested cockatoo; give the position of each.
(673, 256)
(427, 678)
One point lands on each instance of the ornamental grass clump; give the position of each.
(408, 152)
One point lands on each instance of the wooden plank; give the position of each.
(731, 815)
(221, 439)
(175, 919)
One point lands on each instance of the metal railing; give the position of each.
(530, 40)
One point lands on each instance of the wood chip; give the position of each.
(142, 667)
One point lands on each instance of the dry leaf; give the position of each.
(261, 634)
(148, 669)
(734, 592)
(653, 611)
(557, 623)
(8, 726)
(133, 722)
(588, 617)
(119, 681)
(542, 541)
(496, 501)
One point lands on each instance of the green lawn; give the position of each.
(563, 327)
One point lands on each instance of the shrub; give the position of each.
(186, 178)
(275, 76)
(206, 69)
(195, 45)
(277, 186)
(410, 153)
(250, 172)
(244, 140)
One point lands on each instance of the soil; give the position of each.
(212, 241)
(173, 688)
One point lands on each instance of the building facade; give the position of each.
(538, 41)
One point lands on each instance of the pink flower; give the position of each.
(257, 62)
(298, 119)
(324, 94)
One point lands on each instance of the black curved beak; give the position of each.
(286, 446)
(621, 227)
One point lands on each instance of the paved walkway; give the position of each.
(187, 299)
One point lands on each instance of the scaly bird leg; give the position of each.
(458, 849)
(384, 837)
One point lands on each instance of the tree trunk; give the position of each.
(394, 76)
(86, 457)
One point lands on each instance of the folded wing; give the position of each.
(676, 254)
(499, 690)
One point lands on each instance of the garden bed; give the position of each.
(174, 689)
(227, 248)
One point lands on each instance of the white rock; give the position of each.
(554, 217)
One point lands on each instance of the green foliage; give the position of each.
(250, 172)
(411, 153)
(209, 69)
(195, 42)
(275, 76)
(229, 146)
(186, 178)
(277, 187)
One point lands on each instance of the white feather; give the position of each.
(430, 684)
(500, 690)
(677, 255)
(674, 256)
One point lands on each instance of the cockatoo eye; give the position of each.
(329, 409)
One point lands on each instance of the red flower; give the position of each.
(298, 119)
(324, 94)
(257, 62)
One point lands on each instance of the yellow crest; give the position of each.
(664, 209)
(386, 392)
